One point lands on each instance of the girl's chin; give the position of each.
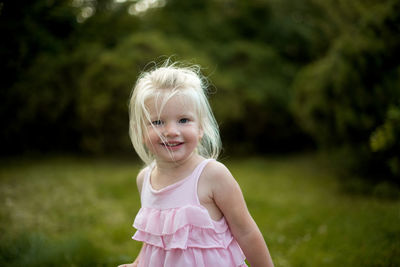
(175, 156)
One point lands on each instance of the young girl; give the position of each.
(193, 212)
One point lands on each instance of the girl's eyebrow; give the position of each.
(183, 114)
(187, 114)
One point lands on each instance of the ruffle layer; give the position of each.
(152, 256)
(185, 227)
(187, 237)
(168, 221)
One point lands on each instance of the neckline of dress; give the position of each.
(173, 185)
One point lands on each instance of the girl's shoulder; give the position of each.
(217, 174)
(215, 168)
(140, 177)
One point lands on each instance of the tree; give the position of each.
(350, 96)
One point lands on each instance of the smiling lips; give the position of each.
(172, 144)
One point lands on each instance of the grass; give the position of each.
(78, 212)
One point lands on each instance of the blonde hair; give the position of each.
(167, 81)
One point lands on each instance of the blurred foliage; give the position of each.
(284, 75)
(385, 140)
(349, 97)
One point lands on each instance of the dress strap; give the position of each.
(199, 169)
(146, 179)
(196, 175)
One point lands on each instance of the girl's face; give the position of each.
(173, 135)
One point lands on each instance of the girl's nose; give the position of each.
(170, 130)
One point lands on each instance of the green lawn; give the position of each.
(69, 211)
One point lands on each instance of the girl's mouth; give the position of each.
(170, 145)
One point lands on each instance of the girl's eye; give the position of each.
(184, 120)
(156, 122)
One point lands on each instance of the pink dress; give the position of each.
(178, 231)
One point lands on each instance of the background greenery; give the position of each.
(285, 77)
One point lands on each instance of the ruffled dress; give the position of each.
(178, 231)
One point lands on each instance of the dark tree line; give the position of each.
(285, 75)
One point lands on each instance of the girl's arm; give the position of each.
(229, 199)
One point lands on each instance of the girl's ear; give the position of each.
(201, 133)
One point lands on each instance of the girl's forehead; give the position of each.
(179, 101)
(165, 99)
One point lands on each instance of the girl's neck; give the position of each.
(176, 170)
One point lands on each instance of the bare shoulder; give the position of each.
(227, 195)
(218, 175)
(140, 179)
(215, 187)
(215, 169)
